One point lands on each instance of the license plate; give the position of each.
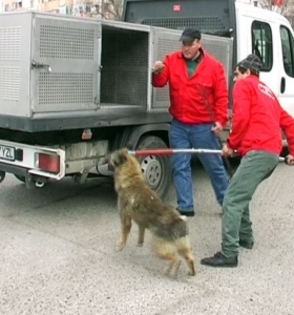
(7, 153)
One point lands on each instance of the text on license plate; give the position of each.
(7, 153)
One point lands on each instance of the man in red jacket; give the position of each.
(256, 135)
(199, 107)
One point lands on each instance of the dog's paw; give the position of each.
(119, 246)
(140, 244)
(191, 273)
(166, 271)
(173, 274)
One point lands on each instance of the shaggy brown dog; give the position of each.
(136, 201)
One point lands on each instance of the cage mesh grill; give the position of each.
(203, 23)
(10, 39)
(218, 50)
(124, 75)
(66, 43)
(165, 46)
(9, 83)
(65, 88)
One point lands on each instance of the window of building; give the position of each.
(262, 43)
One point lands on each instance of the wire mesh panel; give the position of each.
(64, 88)
(10, 52)
(124, 73)
(208, 23)
(65, 54)
(210, 16)
(165, 42)
(9, 83)
(14, 65)
(222, 50)
(10, 43)
(66, 42)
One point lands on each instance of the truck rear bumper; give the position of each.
(21, 159)
(23, 175)
(13, 169)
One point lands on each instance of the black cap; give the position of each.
(190, 33)
(251, 62)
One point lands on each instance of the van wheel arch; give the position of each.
(156, 169)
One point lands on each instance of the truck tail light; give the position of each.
(49, 163)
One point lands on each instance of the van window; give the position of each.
(287, 43)
(262, 43)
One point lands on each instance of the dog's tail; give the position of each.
(171, 231)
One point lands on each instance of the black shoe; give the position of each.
(246, 244)
(187, 213)
(219, 260)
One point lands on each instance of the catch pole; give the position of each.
(165, 151)
(172, 151)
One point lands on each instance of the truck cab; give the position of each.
(270, 36)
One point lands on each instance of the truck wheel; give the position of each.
(156, 169)
(34, 182)
(2, 176)
(21, 178)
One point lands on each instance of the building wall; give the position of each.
(72, 7)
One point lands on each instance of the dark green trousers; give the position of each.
(254, 167)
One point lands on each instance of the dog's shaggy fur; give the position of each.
(137, 202)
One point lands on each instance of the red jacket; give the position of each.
(199, 99)
(258, 119)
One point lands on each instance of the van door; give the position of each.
(273, 42)
(286, 68)
(264, 44)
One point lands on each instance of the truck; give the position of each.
(74, 89)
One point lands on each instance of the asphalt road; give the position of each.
(57, 255)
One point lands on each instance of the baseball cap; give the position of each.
(251, 62)
(190, 33)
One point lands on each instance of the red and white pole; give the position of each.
(165, 151)
(146, 152)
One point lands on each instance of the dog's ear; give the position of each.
(124, 151)
(121, 157)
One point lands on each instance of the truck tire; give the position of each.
(2, 176)
(21, 178)
(156, 169)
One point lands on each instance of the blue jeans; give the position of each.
(197, 136)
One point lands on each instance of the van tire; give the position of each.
(34, 181)
(156, 169)
(20, 177)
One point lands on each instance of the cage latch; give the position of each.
(41, 65)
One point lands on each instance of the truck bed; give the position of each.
(60, 73)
